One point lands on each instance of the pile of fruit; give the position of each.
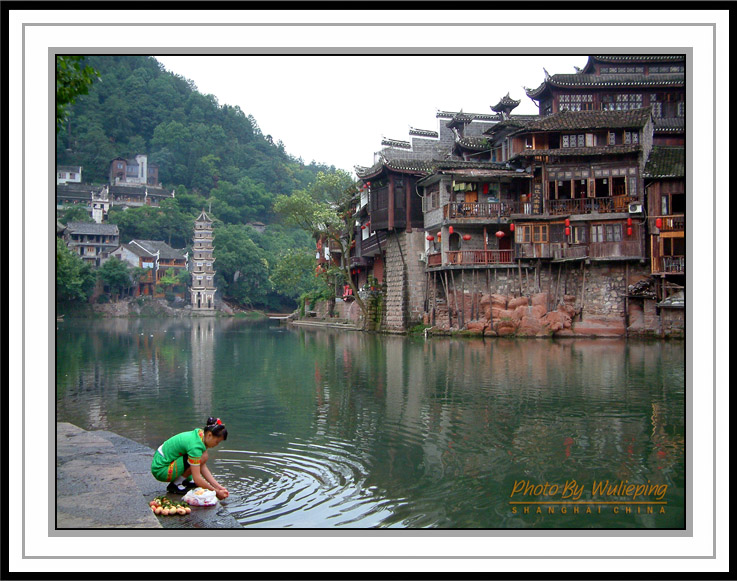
(162, 505)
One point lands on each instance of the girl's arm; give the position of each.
(199, 477)
(205, 471)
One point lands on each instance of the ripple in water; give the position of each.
(305, 486)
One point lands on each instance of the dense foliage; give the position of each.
(214, 156)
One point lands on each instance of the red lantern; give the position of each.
(499, 234)
(363, 227)
(629, 221)
(430, 237)
(450, 230)
(439, 234)
(568, 231)
(467, 237)
(658, 223)
(568, 222)
(511, 227)
(368, 184)
(629, 231)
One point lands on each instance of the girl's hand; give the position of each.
(222, 494)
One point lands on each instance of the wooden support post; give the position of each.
(463, 294)
(447, 296)
(519, 270)
(550, 283)
(626, 297)
(557, 287)
(459, 315)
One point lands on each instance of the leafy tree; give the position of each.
(75, 214)
(115, 274)
(325, 212)
(74, 278)
(72, 80)
(242, 268)
(167, 281)
(293, 275)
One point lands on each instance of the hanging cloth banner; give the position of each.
(486, 188)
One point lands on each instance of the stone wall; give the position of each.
(541, 290)
(405, 280)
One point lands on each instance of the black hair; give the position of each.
(216, 427)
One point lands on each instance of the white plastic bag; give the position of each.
(200, 497)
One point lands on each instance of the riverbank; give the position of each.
(148, 307)
(103, 480)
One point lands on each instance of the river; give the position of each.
(330, 428)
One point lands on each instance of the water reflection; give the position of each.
(331, 428)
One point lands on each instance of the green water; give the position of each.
(332, 428)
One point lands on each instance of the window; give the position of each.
(578, 234)
(574, 140)
(576, 102)
(623, 70)
(621, 102)
(606, 233)
(666, 69)
(631, 137)
(537, 234)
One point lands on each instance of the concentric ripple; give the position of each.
(304, 486)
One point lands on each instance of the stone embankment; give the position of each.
(103, 480)
(498, 315)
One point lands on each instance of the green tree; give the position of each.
(293, 276)
(74, 278)
(242, 266)
(325, 212)
(75, 214)
(72, 79)
(115, 274)
(168, 281)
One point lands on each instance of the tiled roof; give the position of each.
(475, 143)
(666, 162)
(92, 228)
(72, 189)
(579, 120)
(153, 246)
(413, 166)
(619, 81)
(473, 116)
(139, 189)
(76, 168)
(422, 132)
(627, 58)
(669, 125)
(456, 164)
(504, 103)
(581, 151)
(396, 143)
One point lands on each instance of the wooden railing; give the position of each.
(435, 259)
(589, 205)
(672, 264)
(456, 210)
(673, 223)
(480, 257)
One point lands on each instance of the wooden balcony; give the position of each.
(669, 265)
(474, 257)
(673, 223)
(470, 258)
(621, 249)
(372, 245)
(590, 205)
(462, 210)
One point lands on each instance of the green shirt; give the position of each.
(190, 444)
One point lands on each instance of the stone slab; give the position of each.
(137, 459)
(93, 487)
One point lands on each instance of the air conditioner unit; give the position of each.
(423, 257)
(635, 208)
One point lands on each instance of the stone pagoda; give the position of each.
(203, 273)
